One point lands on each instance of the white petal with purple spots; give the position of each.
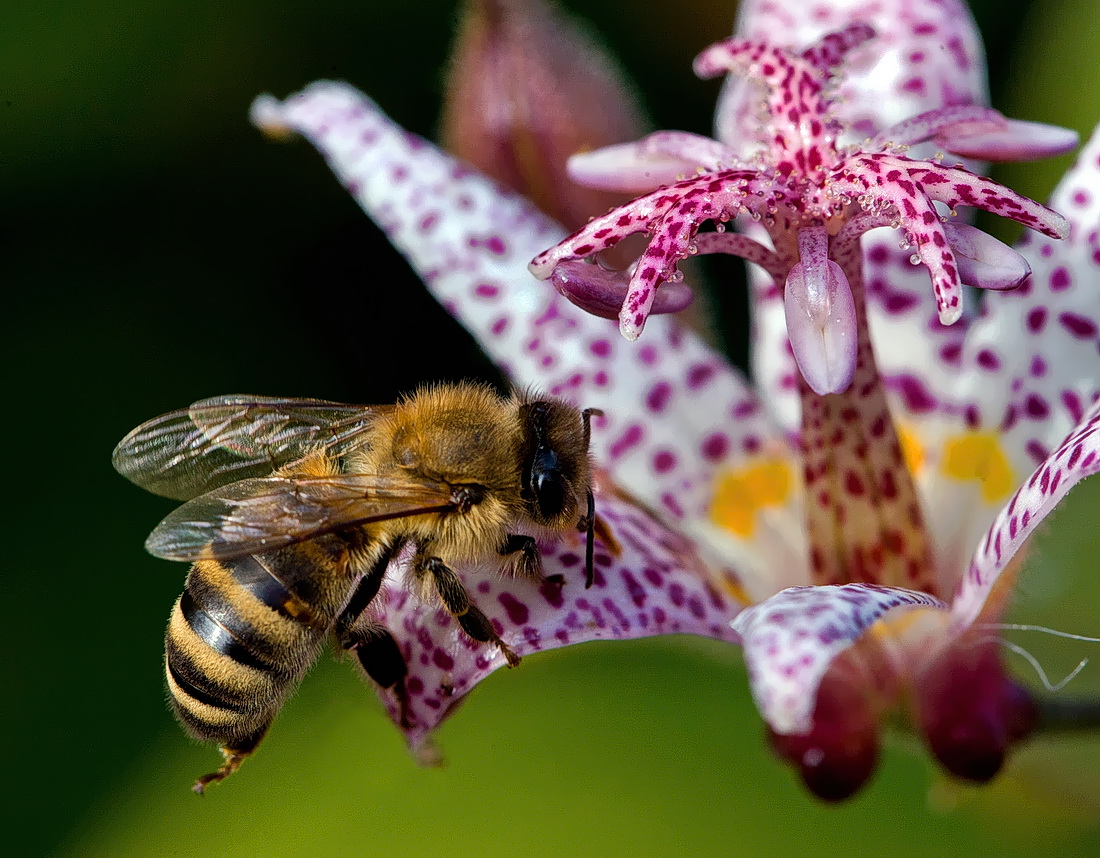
(791, 639)
(1077, 457)
(675, 410)
(1031, 359)
(655, 586)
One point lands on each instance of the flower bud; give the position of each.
(526, 89)
(971, 713)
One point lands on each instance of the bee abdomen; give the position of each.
(234, 649)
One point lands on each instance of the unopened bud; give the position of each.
(526, 89)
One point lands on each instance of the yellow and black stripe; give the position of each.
(243, 634)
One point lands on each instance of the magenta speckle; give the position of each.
(1079, 326)
(699, 375)
(657, 397)
(516, 610)
(664, 462)
(715, 447)
(1060, 279)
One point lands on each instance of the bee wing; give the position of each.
(263, 514)
(222, 440)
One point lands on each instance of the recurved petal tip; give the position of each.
(1017, 141)
(266, 114)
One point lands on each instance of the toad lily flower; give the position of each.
(855, 557)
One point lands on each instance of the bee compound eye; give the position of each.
(550, 492)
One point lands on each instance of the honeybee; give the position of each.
(295, 508)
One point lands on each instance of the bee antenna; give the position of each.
(589, 539)
(590, 519)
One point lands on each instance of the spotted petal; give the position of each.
(791, 639)
(675, 411)
(1033, 353)
(1077, 457)
(926, 55)
(653, 586)
(1018, 382)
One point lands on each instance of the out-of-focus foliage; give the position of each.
(156, 250)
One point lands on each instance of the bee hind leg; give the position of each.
(381, 658)
(234, 755)
(457, 601)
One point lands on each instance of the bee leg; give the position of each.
(457, 601)
(234, 755)
(381, 658)
(529, 565)
(374, 646)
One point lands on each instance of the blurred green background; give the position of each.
(156, 250)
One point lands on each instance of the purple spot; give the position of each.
(517, 611)
(600, 348)
(658, 397)
(744, 408)
(551, 592)
(900, 302)
(916, 395)
(699, 375)
(664, 462)
(442, 660)
(1060, 279)
(1079, 326)
(715, 447)
(634, 590)
(988, 360)
(676, 594)
(1036, 319)
(486, 290)
(630, 438)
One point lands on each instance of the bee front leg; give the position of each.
(457, 601)
(529, 563)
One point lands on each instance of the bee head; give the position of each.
(554, 460)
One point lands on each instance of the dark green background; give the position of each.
(154, 249)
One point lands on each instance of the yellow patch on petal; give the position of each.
(911, 448)
(742, 493)
(979, 456)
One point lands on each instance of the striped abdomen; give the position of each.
(245, 631)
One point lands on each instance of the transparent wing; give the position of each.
(258, 515)
(222, 440)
